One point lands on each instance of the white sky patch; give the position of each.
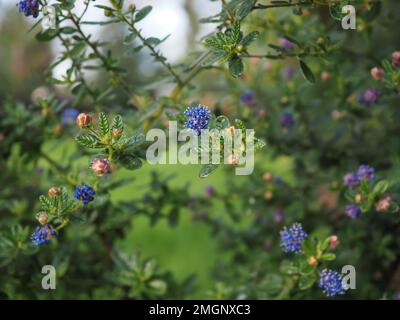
(167, 17)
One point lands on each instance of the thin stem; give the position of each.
(52, 162)
(62, 225)
(154, 52)
(96, 50)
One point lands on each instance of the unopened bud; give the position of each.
(333, 241)
(100, 166)
(54, 192)
(358, 198)
(268, 195)
(117, 133)
(268, 177)
(83, 120)
(233, 160)
(42, 218)
(312, 261)
(377, 73)
(326, 76)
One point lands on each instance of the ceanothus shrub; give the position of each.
(324, 106)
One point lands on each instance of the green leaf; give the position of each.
(306, 281)
(207, 169)
(152, 41)
(239, 124)
(289, 268)
(104, 126)
(245, 8)
(381, 187)
(259, 144)
(235, 33)
(327, 257)
(88, 140)
(159, 286)
(118, 122)
(235, 66)
(47, 35)
(46, 204)
(214, 57)
(221, 122)
(67, 30)
(142, 13)
(250, 38)
(137, 140)
(130, 162)
(307, 73)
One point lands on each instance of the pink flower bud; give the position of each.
(268, 177)
(233, 160)
(333, 241)
(42, 218)
(377, 73)
(54, 192)
(83, 120)
(325, 76)
(100, 166)
(383, 204)
(396, 58)
(117, 132)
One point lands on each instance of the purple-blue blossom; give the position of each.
(352, 210)
(369, 97)
(69, 116)
(29, 7)
(350, 180)
(43, 235)
(247, 98)
(198, 118)
(85, 193)
(287, 120)
(292, 238)
(286, 44)
(365, 172)
(331, 283)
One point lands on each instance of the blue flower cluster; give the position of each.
(69, 116)
(29, 7)
(369, 97)
(292, 238)
(85, 193)
(364, 172)
(353, 211)
(198, 118)
(331, 283)
(287, 120)
(43, 235)
(247, 98)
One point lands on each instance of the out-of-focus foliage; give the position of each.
(324, 99)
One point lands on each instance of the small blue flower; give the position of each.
(279, 216)
(350, 180)
(352, 210)
(365, 172)
(29, 7)
(43, 235)
(286, 44)
(287, 120)
(198, 118)
(369, 97)
(69, 116)
(331, 283)
(292, 238)
(85, 193)
(209, 191)
(288, 73)
(247, 98)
